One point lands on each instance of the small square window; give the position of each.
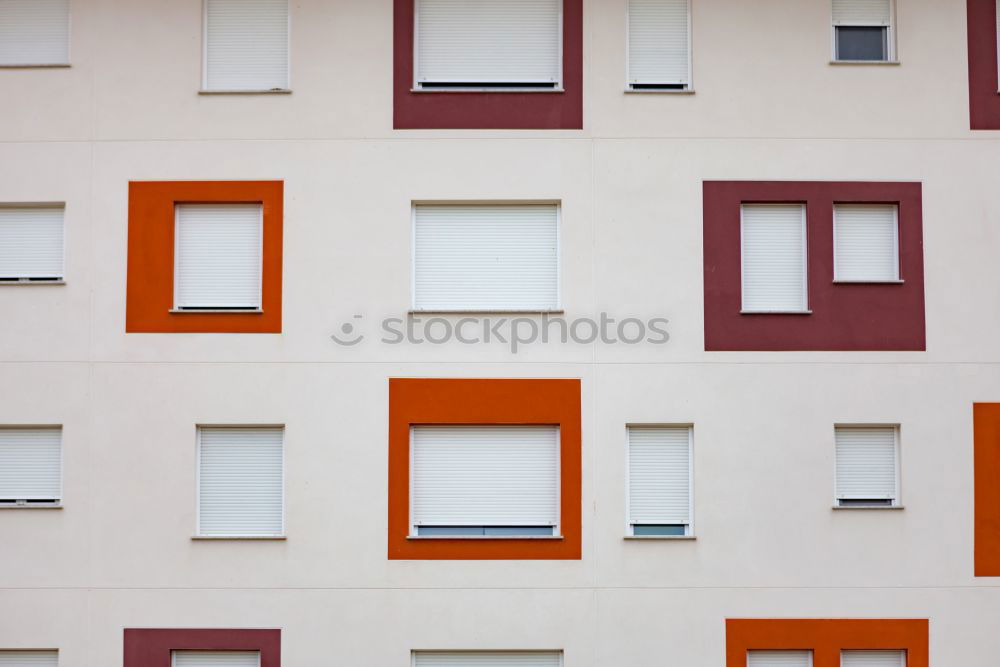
(873, 659)
(31, 243)
(30, 466)
(866, 243)
(659, 481)
(862, 30)
(779, 658)
(215, 658)
(867, 466)
(246, 45)
(34, 32)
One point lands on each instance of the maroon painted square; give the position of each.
(984, 100)
(844, 316)
(151, 647)
(548, 110)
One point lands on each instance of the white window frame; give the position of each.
(43, 503)
(558, 87)
(69, 48)
(891, 56)
(689, 88)
(902, 653)
(689, 531)
(895, 246)
(556, 529)
(54, 280)
(805, 261)
(897, 500)
(174, 652)
(204, 59)
(775, 650)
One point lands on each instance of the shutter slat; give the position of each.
(866, 462)
(658, 47)
(862, 12)
(779, 659)
(659, 475)
(774, 261)
(34, 32)
(29, 658)
(486, 257)
(489, 41)
(216, 658)
(485, 475)
(873, 659)
(241, 489)
(246, 44)
(218, 256)
(30, 463)
(487, 659)
(866, 242)
(31, 242)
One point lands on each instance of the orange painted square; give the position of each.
(986, 429)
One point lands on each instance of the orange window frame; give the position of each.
(414, 401)
(826, 638)
(986, 443)
(150, 279)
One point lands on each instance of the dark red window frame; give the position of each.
(984, 98)
(548, 110)
(151, 647)
(845, 316)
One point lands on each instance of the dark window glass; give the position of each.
(862, 43)
(649, 529)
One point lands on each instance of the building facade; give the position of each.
(274, 278)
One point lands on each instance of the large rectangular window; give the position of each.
(31, 243)
(774, 258)
(866, 243)
(240, 482)
(873, 659)
(488, 44)
(659, 481)
(862, 30)
(779, 658)
(659, 44)
(487, 659)
(215, 659)
(246, 45)
(486, 257)
(34, 32)
(867, 466)
(29, 658)
(30, 466)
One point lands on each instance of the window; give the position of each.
(983, 31)
(29, 658)
(873, 659)
(866, 243)
(487, 659)
(867, 466)
(240, 482)
(215, 659)
(489, 44)
(659, 44)
(31, 243)
(486, 257)
(34, 32)
(774, 258)
(862, 30)
(30, 466)
(218, 257)
(246, 45)
(659, 481)
(779, 658)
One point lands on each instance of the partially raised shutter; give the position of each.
(216, 659)
(34, 32)
(486, 257)
(485, 475)
(862, 12)
(30, 463)
(659, 475)
(31, 241)
(241, 484)
(29, 658)
(779, 659)
(487, 659)
(873, 659)
(866, 462)
(774, 258)
(218, 256)
(866, 242)
(658, 36)
(489, 41)
(246, 44)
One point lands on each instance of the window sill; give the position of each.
(867, 508)
(682, 538)
(868, 282)
(250, 538)
(776, 312)
(32, 507)
(272, 91)
(483, 537)
(862, 63)
(37, 66)
(234, 311)
(487, 312)
(660, 91)
(20, 283)
(488, 90)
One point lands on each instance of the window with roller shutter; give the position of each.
(873, 659)
(29, 658)
(863, 30)
(867, 466)
(866, 243)
(659, 44)
(660, 481)
(779, 658)
(31, 244)
(487, 659)
(30, 466)
(246, 45)
(774, 258)
(34, 32)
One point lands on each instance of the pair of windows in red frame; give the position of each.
(772, 279)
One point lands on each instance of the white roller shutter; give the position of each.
(659, 471)
(31, 242)
(866, 462)
(486, 257)
(658, 42)
(241, 482)
(34, 32)
(779, 658)
(218, 256)
(873, 659)
(862, 12)
(487, 659)
(774, 257)
(246, 44)
(485, 476)
(29, 658)
(216, 658)
(489, 41)
(30, 463)
(866, 242)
